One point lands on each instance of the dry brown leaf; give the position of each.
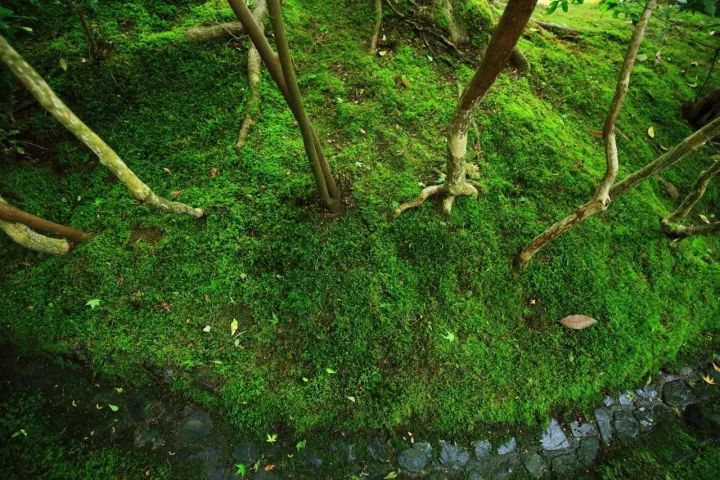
(578, 322)
(213, 172)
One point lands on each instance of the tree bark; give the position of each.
(601, 199)
(92, 43)
(282, 72)
(377, 26)
(504, 39)
(28, 238)
(9, 213)
(107, 156)
(254, 65)
(695, 194)
(204, 33)
(681, 231)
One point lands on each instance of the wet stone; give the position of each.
(148, 437)
(377, 449)
(625, 399)
(602, 417)
(482, 449)
(475, 475)
(349, 454)
(207, 456)
(535, 465)
(648, 392)
(311, 458)
(565, 465)
(678, 394)
(508, 447)
(137, 409)
(506, 469)
(644, 416)
(452, 456)
(582, 430)
(246, 452)
(588, 450)
(625, 424)
(609, 401)
(554, 438)
(416, 457)
(196, 426)
(218, 472)
(263, 475)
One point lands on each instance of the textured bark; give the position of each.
(107, 156)
(601, 199)
(282, 71)
(28, 238)
(377, 26)
(205, 33)
(696, 193)
(254, 65)
(681, 231)
(511, 25)
(9, 213)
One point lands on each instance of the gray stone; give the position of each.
(148, 437)
(588, 450)
(602, 417)
(416, 457)
(377, 449)
(508, 447)
(507, 468)
(625, 424)
(311, 458)
(207, 456)
(678, 394)
(246, 452)
(535, 465)
(554, 438)
(482, 449)
(687, 371)
(625, 399)
(644, 416)
(452, 456)
(609, 401)
(565, 465)
(263, 475)
(196, 426)
(582, 430)
(437, 476)
(648, 392)
(348, 453)
(474, 475)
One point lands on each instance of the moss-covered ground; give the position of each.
(343, 319)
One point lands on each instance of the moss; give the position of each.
(366, 297)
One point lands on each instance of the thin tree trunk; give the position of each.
(92, 44)
(601, 199)
(28, 238)
(378, 25)
(504, 39)
(9, 213)
(282, 72)
(696, 193)
(681, 231)
(254, 65)
(107, 156)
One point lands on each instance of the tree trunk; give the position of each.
(283, 73)
(697, 192)
(254, 65)
(107, 156)
(28, 238)
(204, 33)
(92, 43)
(511, 25)
(601, 199)
(377, 26)
(681, 231)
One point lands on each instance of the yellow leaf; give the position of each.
(707, 379)
(704, 218)
(651, 132)
(390, 476)
(716, 367)
(233, 327)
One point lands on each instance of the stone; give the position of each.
(588, 450)
(377, 449)
(506, 469)
(452, 456)
(207, 456)
(625, 399)
(482, 449)
(148, 437)
(644, 416)
(137, 409)
(196, 426)
(554, 438)
(602, 417)
(678, 394)
(416, 457)
(609, 401)
(625, 424)
(582, 430)
(648, 392)
(263, 475)
(311, 458)
(246, 453)
(508, 447)
(474, 475)
(535, 465)
(565, 465)
(349, 455)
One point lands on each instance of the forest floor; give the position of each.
(358, 321)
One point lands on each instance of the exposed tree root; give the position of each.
(254, 65)
(204, 33)
(30, 239)
(448, 197)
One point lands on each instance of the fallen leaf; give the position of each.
(271, 438)
(704, 218)
(114, 408)
(167, 170)
(63, 64)
(119, 389)
(213, 172)
(233, 327)
(449, 336)
(707, 379)
(382, 53)
(651, 132)
(716, 367)
(330, 371)
(207, 329)
(93, 304)
(269, 468)
(352, 399)
(578, 322)
(664, 148)
(300, 445)
(176, 193)
(390, 476)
